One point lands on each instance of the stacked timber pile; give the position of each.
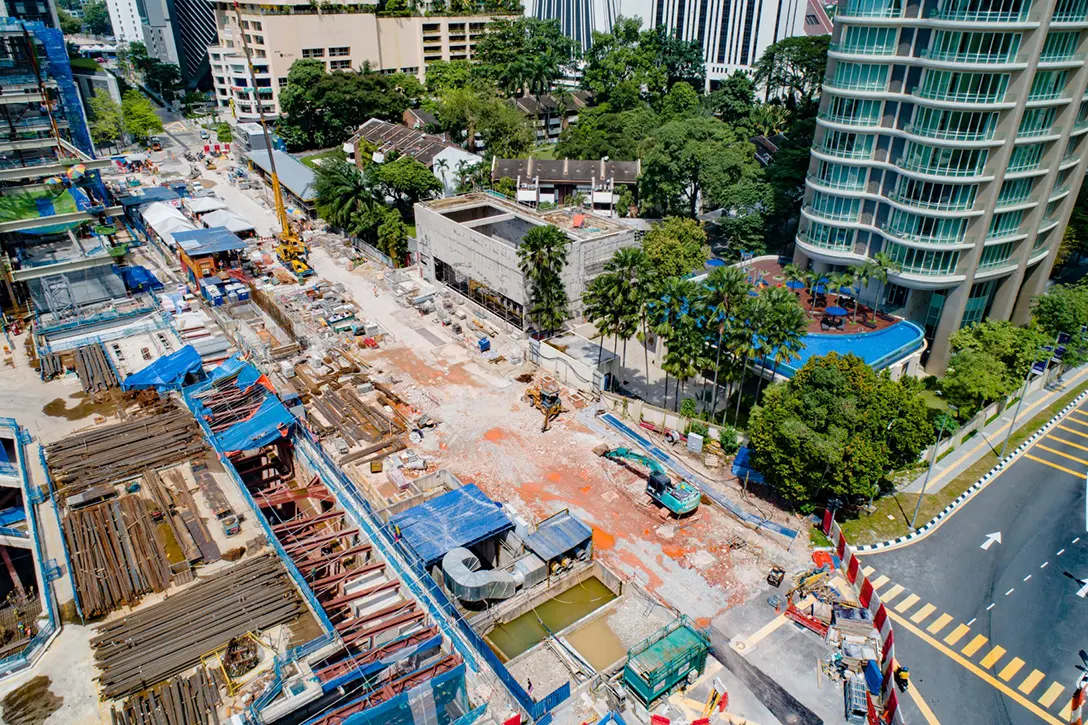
(123, 451)
(94, 370)
(159, 642)
(117, 556)
(179, 701)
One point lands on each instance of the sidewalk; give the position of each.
(993, 435)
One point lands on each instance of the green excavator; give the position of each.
(679, 497)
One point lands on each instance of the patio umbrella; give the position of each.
(836, 311)
(820, 289)
(795, 284)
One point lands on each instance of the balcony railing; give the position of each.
(849, 120)
(845, 154)
(845, 246)
(980, 16)
(1036, 132)
(840, 185)
(1047, 96)
(947, 134)
(934, 94)
(870, 10)
(920, 168)
(931, 205)
(869, 86)
(947, 56)
(921, 238)
(1061, 57)
(852, 216)
(1002, 262)
(858, 49)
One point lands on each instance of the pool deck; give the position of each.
(771, 272)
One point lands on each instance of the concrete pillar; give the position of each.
(951, 314)
(11, 571)
(800, 258)
(1005, 296)
(1034, 284)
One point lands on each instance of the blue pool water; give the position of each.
(879, 349)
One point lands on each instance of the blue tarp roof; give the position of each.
(558, 535)
(208, 241)
(12, 515)
(271, 421)
(138, 278)
(168, 372)
(462, 517)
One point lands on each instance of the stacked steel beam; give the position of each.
(117, 556)
(227, 404)
(179, 701)
(123, 451)
(158, 642)
(94, 370)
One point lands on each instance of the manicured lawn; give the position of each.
(892, 515)
(312, 159)
(544, 151)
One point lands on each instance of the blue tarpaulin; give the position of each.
(270, 422)
(461, 517)
(742, 466)
(13, 515)
(873, 679)
(557, 535)
(137, 278)
(200, 242)
(169, 372)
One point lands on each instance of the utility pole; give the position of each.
(929, 471)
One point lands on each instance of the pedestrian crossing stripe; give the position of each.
(921, 615)
(1010, 670)
(868, 571)
(878, 582)
(907, 603)
(992, 657)
(891, 593)
(1041, 447)
(957, 634)
(1068, 443)
(1051, 694)
(974, 645)
(1031, 681)
(1053, 465)
(939, 623)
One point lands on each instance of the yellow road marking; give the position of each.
(922, 613)
(1074, 432)
(1068, 443)
(1011, 669)
(974, 645)
(1054, 465)
(1047, 699)
(977, 671)
(1080, 413)
(907, 603)
(957, 634)
(1059, 453)
(767, 629)
(891, 594)
(939, 623)
(1031, 681)
(879, 582)
(992, 657)
(923, 708)
(1078, 422)
(868, 571)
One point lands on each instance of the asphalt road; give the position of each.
(994, 635)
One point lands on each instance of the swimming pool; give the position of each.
(879, 349)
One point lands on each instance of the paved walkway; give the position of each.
(993, 435)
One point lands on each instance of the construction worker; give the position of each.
(902, 678)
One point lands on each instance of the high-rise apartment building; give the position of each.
(951, 138)
(125, 18)
(34, 11)
(287, 30)
(732, 33)
(179, 32)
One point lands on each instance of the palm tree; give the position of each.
(597, 308)
(542, 255)
(343, 194)
(882, 264)
(725, 288)
(746, 343)
(667, 311)
(860, 273)
(441, 166)
(687, 352)
(632, 270)
(783, 330)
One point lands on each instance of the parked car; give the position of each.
(204, 134)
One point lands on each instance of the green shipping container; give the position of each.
(663, 660)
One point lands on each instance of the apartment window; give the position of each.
(811, 19)
(257, 25)
(874, 8)
(926, 229)
(835, 208)
(953, 125)
(249, 38)
(1069, 11)
(339, 64)
(846, 145)
(855, 111)
(978, 302)
(995, 256)
(931, 195)
(860, 76)
(828, 237)
(869, 40)
(339, 52)
(313, 52)
(1036, 122)
(1059, 46)
(1072, 146)
(964, 87)
(1061, 179)
(840, 176)
(1051, 208)
(282, 81)
(1026, 157)
(1041, 240)
(258, 40)
(1048, 85)
(1005, 224)
(245, 24)
(1015, 191)
(942, 161)
(960, 46)
(924, 261)
(413, 70)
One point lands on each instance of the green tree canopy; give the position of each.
(107, 119)
(466, 112)
(445, 75)
(793, 68)
(139, 115)
(836, 428)
(165, 78)
(69, 24)
(695, 158)
(526, 55)
(974, 379)
(676, 247)
(324, 109)
(1064, 309)
(393, 238)
(601, 132)
(734, 100)
(96, 18)
(542, 255)
(1016, 347)
(408, 182)
(680, 102)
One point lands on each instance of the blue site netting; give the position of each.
(428, 703)
(169, 372)
(462, 517)
(742, 466)
(58, 67)
(138, 278)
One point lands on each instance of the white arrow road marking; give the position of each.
(1083, 591)
(990, 539)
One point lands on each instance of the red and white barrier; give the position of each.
(1076, 707)
(851, 568)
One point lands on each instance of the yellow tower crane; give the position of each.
(290, 249)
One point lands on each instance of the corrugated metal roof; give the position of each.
(295, 175)
(567, 170)
(422, 147)
(558, 535)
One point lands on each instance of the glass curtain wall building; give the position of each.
(951, 138)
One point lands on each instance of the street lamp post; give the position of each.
(1024, 392)
(929, 471)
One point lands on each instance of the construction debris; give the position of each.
(178, 701)
(153, 644)
(117, 555)
(123, 451)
